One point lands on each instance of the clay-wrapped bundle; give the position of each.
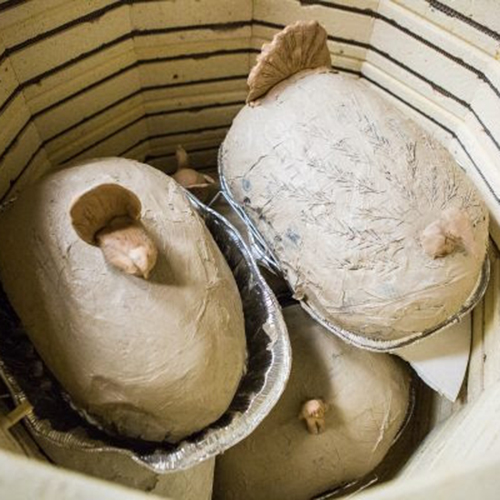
(153, 359)
(378, 231)
(362, 398)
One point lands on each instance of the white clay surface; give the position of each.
(156, 359)
(367, 396)
(342, 185)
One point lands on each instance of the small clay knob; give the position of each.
(452, 230)
(188, 177)
(313, 412)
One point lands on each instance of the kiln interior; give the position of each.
(134, 78)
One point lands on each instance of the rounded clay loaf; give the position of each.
(376, 228)
(367, 400)
(154, 359)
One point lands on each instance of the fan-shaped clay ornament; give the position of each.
(377, 230)
(340, 413)
(299, 46)
(156, 359)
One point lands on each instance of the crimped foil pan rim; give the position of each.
(393, 345)
(188, 454)
(261, 250)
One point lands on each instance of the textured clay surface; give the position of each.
(368, 399)
(342, 187)
(153, 359)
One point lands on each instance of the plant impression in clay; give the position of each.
(379, 233)
(126, 297)
(308, 445)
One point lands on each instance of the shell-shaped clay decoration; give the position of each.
(356, 403)
(299, 46)
(158, 359)
(376, 228)
(96, 208)
(108, 216)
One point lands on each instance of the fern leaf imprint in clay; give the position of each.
(378, 231)
(156, 359)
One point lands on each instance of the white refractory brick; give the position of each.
(460, 17)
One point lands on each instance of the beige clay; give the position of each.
(452, 231)
(360, 399)
(199, 184)
(108, 216)
(313, 412)
(299, 46)
(376, 228)
(157, 359)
